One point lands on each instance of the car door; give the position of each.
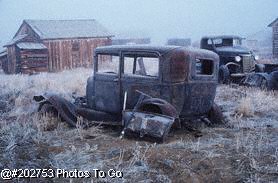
(140, 73)
(107, 83)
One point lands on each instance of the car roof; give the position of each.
(147, 48)
(223, 37)
(162, 50)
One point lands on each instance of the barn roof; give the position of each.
(31, 46)
(3, 53)
(272, 23)
(57, 29)
(16, 39)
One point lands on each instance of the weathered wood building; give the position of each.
(179, 42)
(274, 26)
(54, 45)
(3, 58)
(126, 41)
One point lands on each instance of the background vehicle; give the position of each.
(235, 60)
(238, 64)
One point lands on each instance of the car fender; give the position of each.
(70, 112)
(232, 64)
(65, 109)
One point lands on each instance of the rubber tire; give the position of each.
(274, 80)
(215, 115)
(224, 75)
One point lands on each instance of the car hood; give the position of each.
(237, 50)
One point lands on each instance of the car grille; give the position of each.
(248, 63)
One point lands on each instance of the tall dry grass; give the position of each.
(248, 145)
(19, 89)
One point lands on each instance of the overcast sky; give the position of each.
(160, 19)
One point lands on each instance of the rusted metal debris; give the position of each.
(262, 80)
(150, 117)
(147, 124)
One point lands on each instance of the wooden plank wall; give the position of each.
(11, 64)
(33, 61)
(4, 63)
(275, 41)
(72, 53)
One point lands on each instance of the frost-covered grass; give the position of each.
(18, 90)
(246, 151)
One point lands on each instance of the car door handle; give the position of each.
(116, 80)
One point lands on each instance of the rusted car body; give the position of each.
(186, 78)
(129, 82)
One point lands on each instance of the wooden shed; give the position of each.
(274, 26)
(54, 45)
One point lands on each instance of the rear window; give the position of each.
(204, 67)
(141, 65)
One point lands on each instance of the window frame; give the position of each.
(75, 46)
(154, 55)
(96, 65)
(200, 76)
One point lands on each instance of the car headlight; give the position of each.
(256, 57)
(238, 58)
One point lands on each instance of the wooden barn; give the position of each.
(54, 45)
(274, 26)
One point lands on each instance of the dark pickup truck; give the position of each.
(239, 64)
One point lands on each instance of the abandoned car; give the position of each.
(239, 64)
(145, 89)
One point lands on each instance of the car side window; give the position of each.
(204, 67)
(218, 42)
(209, 42)
(108, 63)
(141, 65)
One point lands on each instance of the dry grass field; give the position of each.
(243, 150)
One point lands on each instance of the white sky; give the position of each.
(160, 19)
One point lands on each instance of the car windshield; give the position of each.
(218, 42)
